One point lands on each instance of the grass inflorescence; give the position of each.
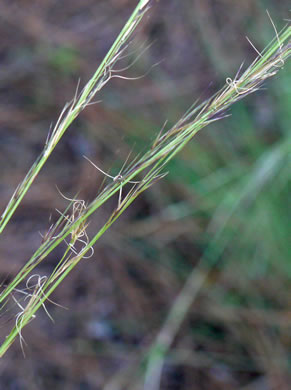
(139, 176)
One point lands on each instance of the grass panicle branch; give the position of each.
(80, 101)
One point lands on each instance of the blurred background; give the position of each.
(220, 214)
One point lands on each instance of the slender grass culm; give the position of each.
(139, 175)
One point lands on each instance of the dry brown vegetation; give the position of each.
(224, 200)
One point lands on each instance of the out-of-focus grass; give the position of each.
(234, 173)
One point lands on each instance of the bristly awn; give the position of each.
(116, 179)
